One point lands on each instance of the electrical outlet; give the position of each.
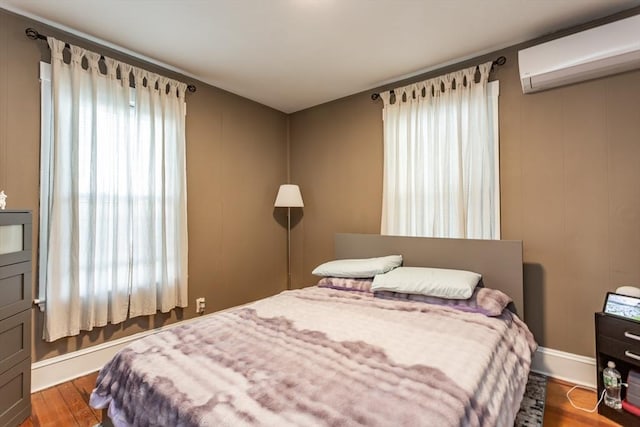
(200, 305)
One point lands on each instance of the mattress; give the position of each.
(323, 357)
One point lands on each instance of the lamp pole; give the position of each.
(288, 248)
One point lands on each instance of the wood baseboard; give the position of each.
(568, 367)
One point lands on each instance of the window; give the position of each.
(113, 241)
(441, 158)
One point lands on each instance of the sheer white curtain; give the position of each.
(441, 171)
(113, 194)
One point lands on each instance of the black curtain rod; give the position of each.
(34, 35)
(501, 60)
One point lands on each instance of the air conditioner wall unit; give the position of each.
(600, 51)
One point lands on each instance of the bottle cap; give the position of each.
(611, 364)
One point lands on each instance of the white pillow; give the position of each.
(435, 282)
(358, 268)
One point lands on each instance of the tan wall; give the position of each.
(336, 159)
(236, 158)
(570, 189)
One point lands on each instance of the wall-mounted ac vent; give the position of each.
(601, 51)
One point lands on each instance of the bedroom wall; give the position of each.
(236, 159)
(569, 187)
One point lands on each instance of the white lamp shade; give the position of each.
(289, 197)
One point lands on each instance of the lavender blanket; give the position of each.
(323, 357)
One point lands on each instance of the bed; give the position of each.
(322, 356)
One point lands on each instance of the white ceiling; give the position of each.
(294, 54)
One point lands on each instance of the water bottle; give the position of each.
(612, 382)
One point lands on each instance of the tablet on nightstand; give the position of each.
(622, 306)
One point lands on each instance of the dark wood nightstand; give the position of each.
(617, 340)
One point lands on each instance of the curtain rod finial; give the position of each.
(31, 33)
(499, 61)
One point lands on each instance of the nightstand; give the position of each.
(618, 340)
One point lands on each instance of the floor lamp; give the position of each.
(289, 197)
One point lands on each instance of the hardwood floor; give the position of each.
(68, 405)
(559, 412)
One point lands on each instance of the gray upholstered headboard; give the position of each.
(499, 261)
